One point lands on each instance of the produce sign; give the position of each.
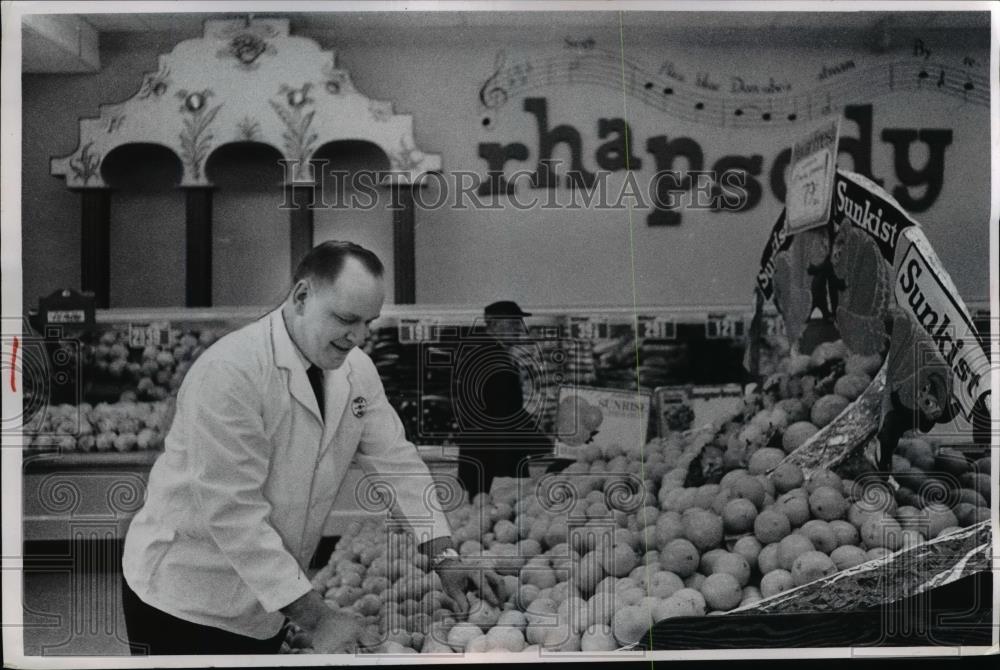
(707, 405)
(869, 279)
(599, 416)
(810, 187)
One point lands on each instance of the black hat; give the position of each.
(504, 308)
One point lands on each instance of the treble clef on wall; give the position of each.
(491, 94)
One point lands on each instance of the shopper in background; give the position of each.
(497, 434)
(268, 421)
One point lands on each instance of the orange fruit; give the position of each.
(771, 526)
(708, 560)
(883, 531)
(767, 559)
(848, 556)
(824, 478)
(939, 517)
(811, 566)
(827, 503)
(669, 608)
(631, 623)
(598, 637)
(722, 591)
(764, 460)
(845, 532)
(749, 488)
(733, 564)
(877, 552)
(796, 435)
(694, 581)
(749, 547)
(663, 584)
(795, 506)
(820, 534)
(680, 556)
(668, 527)
(791, 547)
(620, 561)
(776, 581)
(694, 598)
(705, 495)
(462, 633)
(826, 409)
(787, 476)
(738, 515)
(702, 528)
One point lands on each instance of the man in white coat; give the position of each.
(268, 420)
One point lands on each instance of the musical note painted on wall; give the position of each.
(702, 103)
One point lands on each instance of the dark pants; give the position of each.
(152, 632)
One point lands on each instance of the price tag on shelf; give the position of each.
(141, 335)
(810, 182)
(724, 327)
(657, 328)
(418, 330)
(587, 328)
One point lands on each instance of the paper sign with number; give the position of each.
(724, 326)
(587, 328)
(810, 181)
(418, 330)
(656, 328)
(149, 335)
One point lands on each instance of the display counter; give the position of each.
(95, 496)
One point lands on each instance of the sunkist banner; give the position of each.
(870, 276)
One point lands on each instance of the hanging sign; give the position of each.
(810, 181)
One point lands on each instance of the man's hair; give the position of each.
(325, 261)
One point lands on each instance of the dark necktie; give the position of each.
(315, 375)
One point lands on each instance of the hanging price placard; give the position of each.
(141, 335)
(657, 328)
(587, 328)
(418, 330)
(724, 327)
(810, 181)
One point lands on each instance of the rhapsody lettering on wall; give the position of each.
(616, 152)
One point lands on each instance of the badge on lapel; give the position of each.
(359, 406)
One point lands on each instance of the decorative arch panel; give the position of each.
(245, 80)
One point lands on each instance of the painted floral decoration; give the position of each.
(246, 48)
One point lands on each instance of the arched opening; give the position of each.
(249, 227)
(147, 223)
(350, 202)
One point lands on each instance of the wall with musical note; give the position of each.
(915, 119)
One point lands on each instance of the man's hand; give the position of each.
(458, 576)
(341, 633)
(328, 631)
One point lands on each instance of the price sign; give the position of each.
(67, 316)
(587, 328)
(810, 182)
(657, 328)
(724, 327)
(67, 307)
(141, 335)
(418, 330)
(774, 326)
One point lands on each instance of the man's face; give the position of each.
(328, 320)
(506, 328)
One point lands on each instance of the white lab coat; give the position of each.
(236, 504)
